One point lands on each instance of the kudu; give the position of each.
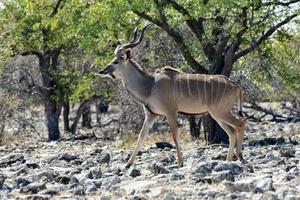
(171, 92)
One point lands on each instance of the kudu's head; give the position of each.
(123, 53)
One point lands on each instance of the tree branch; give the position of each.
(163, 24)
(239, 35)
(262, 38)
(195, 25)
(280, 3)
(28, 53)
(55, 8)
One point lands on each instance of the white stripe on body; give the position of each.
(198, 86)
(223, 91)
(218, 85)
(205, 89)
(188, 83)
(212, 89)
(181, 88)
(174, 89)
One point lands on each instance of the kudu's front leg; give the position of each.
(174, 130)
(148, 123)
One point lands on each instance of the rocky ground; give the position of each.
(94, 169)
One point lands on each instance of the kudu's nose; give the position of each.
(105, 70)
(101, 71)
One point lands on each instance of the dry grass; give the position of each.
(128, 140)
(7, 139)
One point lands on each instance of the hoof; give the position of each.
(128, 166)
(180, 164)
(235, 157)
(242, 159)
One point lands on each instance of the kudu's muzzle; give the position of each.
(108, 70)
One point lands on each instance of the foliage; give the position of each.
(275, 67)
(38, 26)
(219, 29)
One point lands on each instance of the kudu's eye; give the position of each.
(116, 62)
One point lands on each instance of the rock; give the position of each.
(94, 173)
(88, 163)
(63, 179)
(74, 180)
(110, 181)
(117, 171)
(23, 181)
(6, 188)
(288, 178)
(11, 159)
(32, 165)
(79, 190)
(134, 173)
(49, 192)
(239, 187)
(219, 156)
(2, 179)
(68, 157)
(90, 187)
(162, 145)
(249, 168)
(158, 168)
(264, 183)
(168, 160)
(105, 158)
(177, 176)
(223, 175)
(206, 179)
(105, 198)
(203, 168)
(289, 153)
(169, 197)
(97, 182)
(33, 188)
(76, 162)
(95, 152)
(207, 194)
(291, 197)
(46, 176)
(74, 171)
(267, 141)
(231, 166)
(272, 155)
(256, 185)
(39, 197)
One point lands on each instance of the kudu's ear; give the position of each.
(128, 54)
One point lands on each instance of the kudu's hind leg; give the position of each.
(174, 130)
(231, 132)
(148, 123)
(240, 135)
(233, 128)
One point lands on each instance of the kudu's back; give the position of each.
(196, 93)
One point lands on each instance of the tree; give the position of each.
(49, 30)
(225, 31)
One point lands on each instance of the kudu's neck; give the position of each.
(138, 82)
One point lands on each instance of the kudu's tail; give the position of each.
(241, 102)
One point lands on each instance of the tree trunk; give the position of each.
(66, 114)
(79, 113)
(194, 127)
(2, 127)
(215, 134)
(101, 107)
(48, 63)
(87, 117)
(52, 111)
